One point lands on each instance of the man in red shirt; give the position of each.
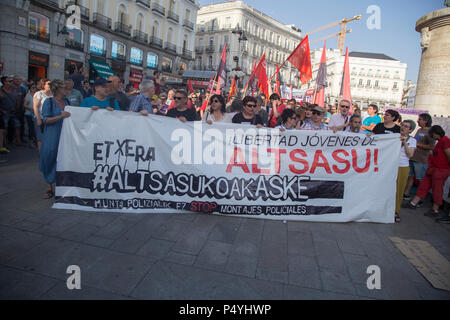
(277, 109)
(437, 173)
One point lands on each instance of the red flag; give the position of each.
(321, 80)
(345, 84)
(251, 81)
(261, 74)
(301, 59)
(277, 85)
(210, 85)
(233, 89)
(190, 87)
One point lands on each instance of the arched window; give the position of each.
(152, 60)
(155, 29)
(169, 35)
(140, 26)
(185, 42)
(199, 63)
(122, 14)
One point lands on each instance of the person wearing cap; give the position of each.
(100, 98)
(341, 120)
(316, 119)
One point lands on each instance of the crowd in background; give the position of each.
(40, 108)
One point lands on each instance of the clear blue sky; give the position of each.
(396, 38)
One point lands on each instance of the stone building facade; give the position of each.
(131, 38)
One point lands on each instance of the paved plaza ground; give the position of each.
(196, 256)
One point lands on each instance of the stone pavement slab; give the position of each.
(198, 256)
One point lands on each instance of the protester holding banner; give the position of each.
(143, 102)
(288, 120)
(100, 98)
(418, 163)
(406, 153)
(277, 109)
(340, 121)
(437, 173)
(388, 126)
(316, 119)
(248, 114)
(216, 113)
(53, 115)
(355, 124)
(181, 110)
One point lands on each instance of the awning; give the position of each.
(103, 69)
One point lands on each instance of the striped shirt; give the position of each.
(141, 102)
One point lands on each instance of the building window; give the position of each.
(360, 82)
(118, 50)
(210, 59)
(38, 25)
(75, 38)
(166, 65)
(97, 45)
(368, 82)
(136, 56)
(152, 60)
(377, 83)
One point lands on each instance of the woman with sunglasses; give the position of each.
(248, 114)
(288, 120)
(216, 111)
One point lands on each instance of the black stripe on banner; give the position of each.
(200, 206)
(217, 187)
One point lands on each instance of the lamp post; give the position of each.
(242, 37)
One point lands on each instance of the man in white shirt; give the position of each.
(341, 120)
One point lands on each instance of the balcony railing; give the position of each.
(159, 9)
(156, 42)
(188, 24)
(102, 21)
(172, 15)
(144, 2)
(49, 3)
(140, 36)
(40, 34)
(187, 53)
(199, 49)
(171, 47)
(74, 45)
(85, 12)
(123, 28)
(210, 49)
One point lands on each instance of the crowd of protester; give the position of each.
(41, 107)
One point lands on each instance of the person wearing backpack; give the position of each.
(100, 98)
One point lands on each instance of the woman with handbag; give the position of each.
(437, 173)
(53, 115)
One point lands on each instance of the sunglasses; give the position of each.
(179, 98)
(215, 101)
(348, 107)
(316, 112)
(251, 105)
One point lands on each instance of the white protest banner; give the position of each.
(125, 162)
